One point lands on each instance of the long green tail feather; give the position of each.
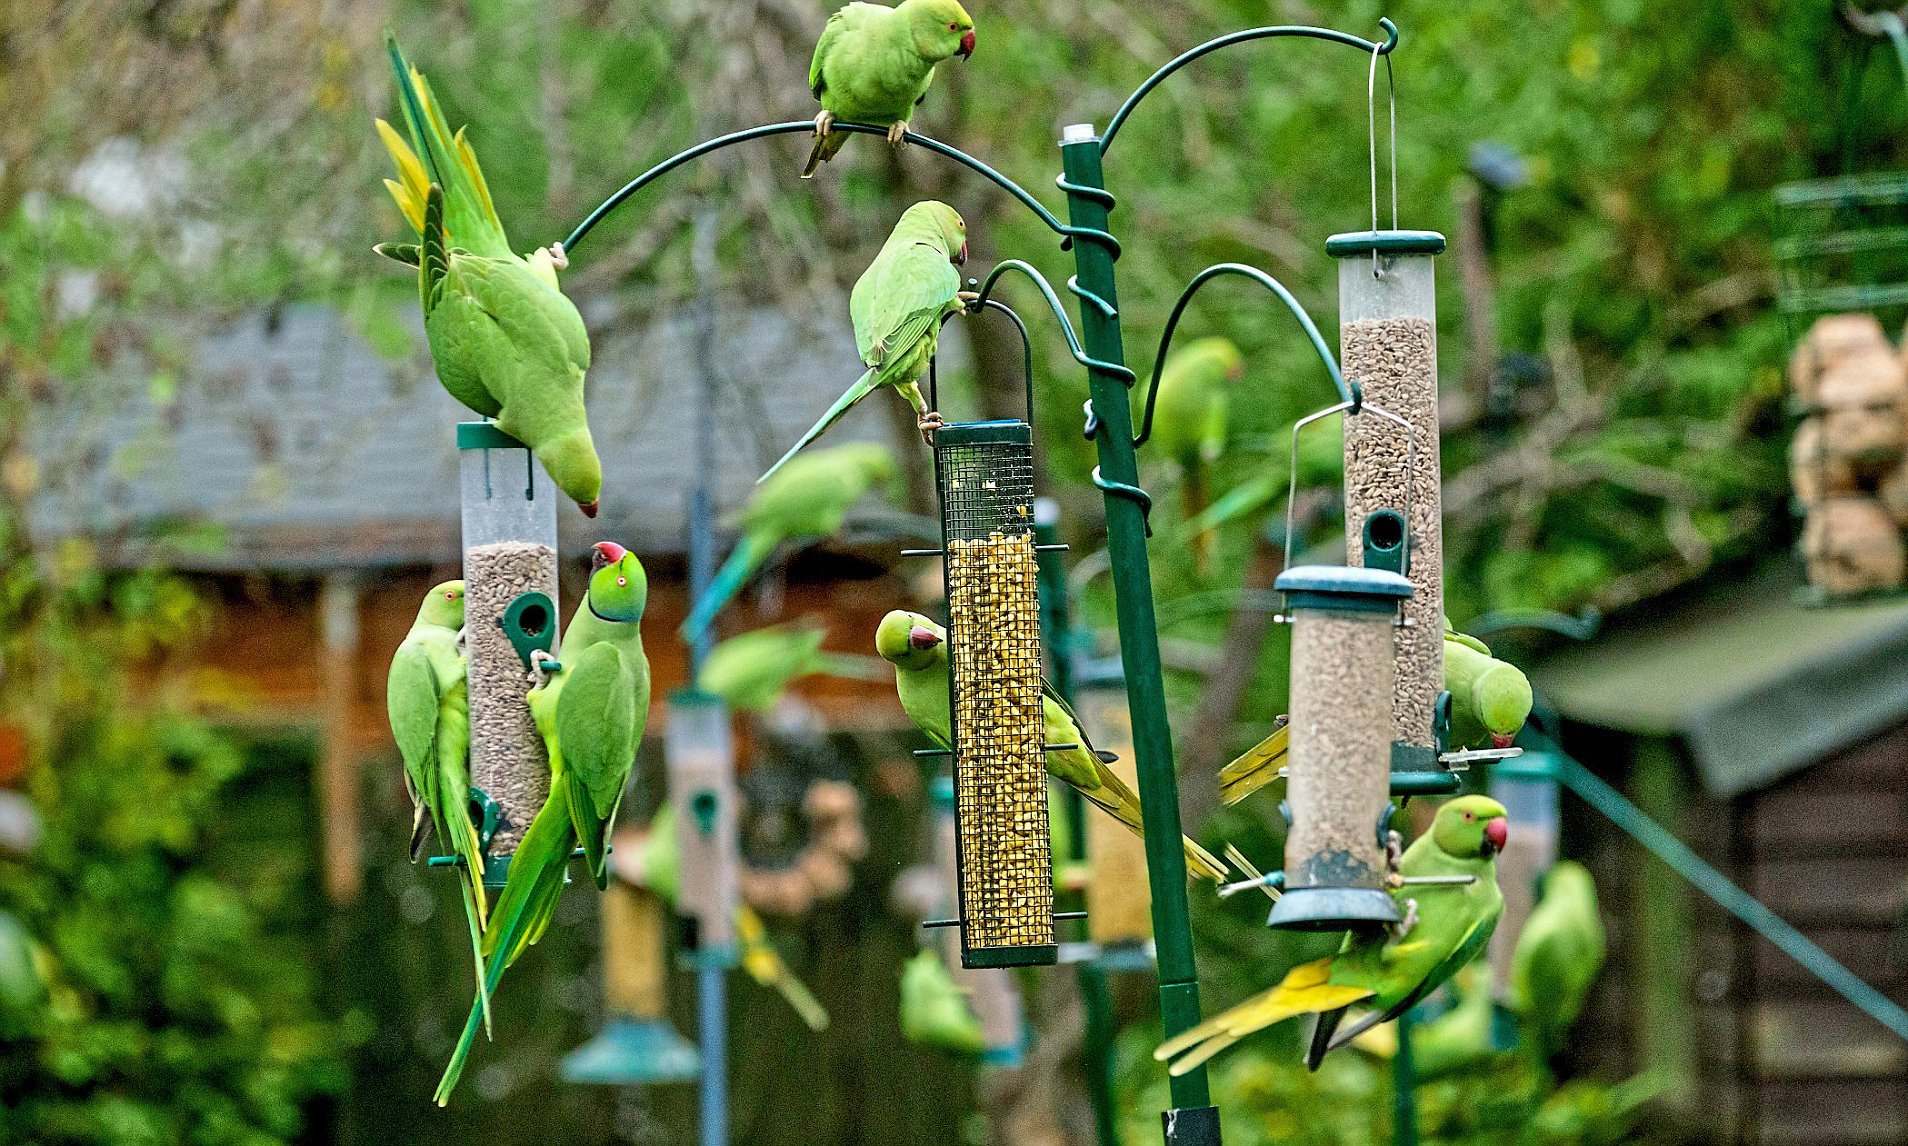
(436, 265)
(863, 386)
(751, 552)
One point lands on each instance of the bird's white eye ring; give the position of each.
(953, 27)
(450, 596)
(622, 580)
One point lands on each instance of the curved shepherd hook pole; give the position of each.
(1268, 282)
(805, 126)
(1382, 48)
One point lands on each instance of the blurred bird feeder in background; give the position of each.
(1388, 345)
(1527, 787)
(1338, 788)
(699, 754)
(637, 1045)
(1119, 902)
(984, 475)
(991, 991)
(510, 616)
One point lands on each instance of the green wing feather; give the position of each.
(598, 727)
(411, 695)
(831, 32)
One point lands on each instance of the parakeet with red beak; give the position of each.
(1490, 698)
(1190, 421)
(507, 342)
(874, 64)
(917, 647)
(1446, 925)
(591, 710)
(897, 306)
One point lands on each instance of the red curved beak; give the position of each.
(588, 508)
(1498, 832)
(922, 637)
(960, 259)
(1503, 739)
(607, 553)
(967, 44)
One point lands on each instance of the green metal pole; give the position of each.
(1193, 1121)
(1404, 1087)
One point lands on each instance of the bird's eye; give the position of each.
(1467, 815)
(953, 27)
(450, 596)
(622, 580)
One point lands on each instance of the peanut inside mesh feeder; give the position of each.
(1388, 341)
(1344, 621)
(1005, 854)
(510, 611)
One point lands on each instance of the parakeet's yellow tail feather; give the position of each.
(1203, 864)
(1305, 990)
(1258, 766)
(1119, 801)
(764, 964)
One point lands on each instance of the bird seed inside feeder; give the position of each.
(507, 758)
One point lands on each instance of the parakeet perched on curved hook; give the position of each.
(897, 306)
(591, 712)
(1390, 971)
(428, 702)
(917, 647)
(507, 342)
(874, 64)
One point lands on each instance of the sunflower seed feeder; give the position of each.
(510, 612)
(699, 755)
(1388, 342)
(637, 1045)
(1005, 855)
(1338, 790)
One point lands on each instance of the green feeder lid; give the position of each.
(1343, 588)
(1385, 243)
(632, 1052)
(983, 433)
(485, 436)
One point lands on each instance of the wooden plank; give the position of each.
(339, 779)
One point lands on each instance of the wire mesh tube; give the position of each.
(985, 472)
(509, 523)
(1388, 344)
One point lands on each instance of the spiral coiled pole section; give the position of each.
(1192, 1120)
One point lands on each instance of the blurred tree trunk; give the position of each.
(1043, 1101)
(1208, 738)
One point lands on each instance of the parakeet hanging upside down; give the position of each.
(507, 342)
(752, 670)
(591, 713)
(917, 647)
(809, 498)
(874, 64)
(428, 703)
(1446, 926)
(1189, 420)
(934, 1008)
(662, 874)
(1490, 698)
(897, 307)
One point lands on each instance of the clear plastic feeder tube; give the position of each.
(510, 551)
(1528, 790)
(699, 754)
(1388, 345)
(1338, 784)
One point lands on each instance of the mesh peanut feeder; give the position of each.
(510, 612)
(1388, 342)
(699, 754)
(985, 478)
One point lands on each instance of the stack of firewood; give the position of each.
(1848, 463)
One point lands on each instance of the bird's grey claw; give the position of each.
(558, 258)
(898, 133)
(1410, 919)
(823, 122)
(929, 423)
(968, 296)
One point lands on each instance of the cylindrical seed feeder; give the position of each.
(1527, 787)
(985, 475)
(1388, 343)
(699, 755)
(637, 1045)
(1338, 787)
(510, 603)
(1119, 902)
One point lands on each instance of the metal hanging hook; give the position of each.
(1353, 407)
(1371, 126)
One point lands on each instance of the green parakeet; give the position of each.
(662, 874)
(897, 307)
(808, 498)
(428, 702)
(1190, 417)
(1320, 463)
(591, 713)
(752, 670)
(1558, 956)
(506, 340)
(934, 1008)
(873, 64)
(1490, 699)
(917, 647)
(1445, 927)
(23, 982)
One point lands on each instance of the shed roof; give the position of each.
(306, 449)
(1755, 683)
